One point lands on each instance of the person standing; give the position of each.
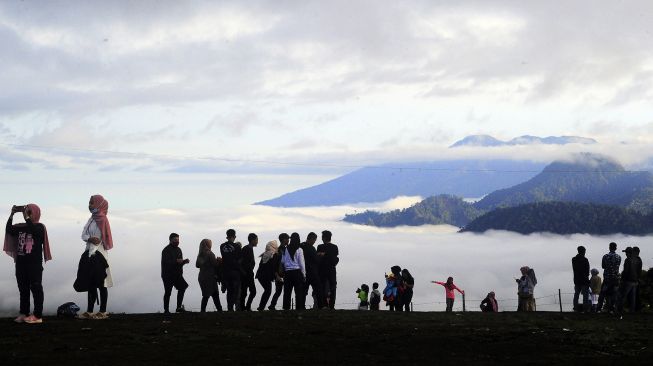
(28, 244)
(98, 239)
(312, 271)
(328, 253)
(449, 288)
(408, 284)
(267, 271)
(208, 276)
(247, 269)
(595, 286)
(581, 268)
(172, 273)
(610, 289)
(375, 297)
(294, 273)
(231, 267)
(630, 280)
(526, 289)
(284, 239)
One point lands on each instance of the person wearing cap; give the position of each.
(610, 289)
(630, 280)
(581, 268)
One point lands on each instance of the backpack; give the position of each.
(67, 310)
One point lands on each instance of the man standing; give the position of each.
(172, 273)
(630, 280)
(610, 289)
(231, 262)
(311, 260)
(581, 267)
(328, 253)
(247, 269)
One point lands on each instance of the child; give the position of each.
(449, 287)
(362, 296)
(375, 297)
(390, 291)
(595, 288)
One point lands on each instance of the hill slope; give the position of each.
(463, 178)
(436, 210)
(564, 218)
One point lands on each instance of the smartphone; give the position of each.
(19, 208)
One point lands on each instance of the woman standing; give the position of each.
(525, 289)
(294, 273)
(98, 239)
(267, 271)
(29, 246)
(208, 276)
(409, 283)
(449, 288)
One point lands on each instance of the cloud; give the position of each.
(478, 263)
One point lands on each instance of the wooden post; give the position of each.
(292, 304)
(411, 307)
(463, 303)
(560, 298)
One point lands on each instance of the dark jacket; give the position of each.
(91, 272)
(632, 269)
(311, 259)
(266, 271)
(330, 259)
(231, 257)
(209, 270)
(248, 262)
(486, 305)
(170, 269)
(581, 267)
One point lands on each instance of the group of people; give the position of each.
(292, 266)
(28, 244)
(615, 290)
(289, 266)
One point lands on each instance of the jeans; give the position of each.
(278, 289)
(180, 284)
(585, 291)
(449, 305)
(232, 281)
(293, 281)
(313, 280)
(247, 284)
(29, 276)
(329, 285)
(629, 292)
(609, 294)
(92, 297)
(267, 291)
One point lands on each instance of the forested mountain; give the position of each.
(589, 179)
(436, 210)
(463, 178)
(564, 218)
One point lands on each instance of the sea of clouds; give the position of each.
(479, 263)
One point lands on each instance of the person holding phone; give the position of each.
(28, 244)
(172, 273)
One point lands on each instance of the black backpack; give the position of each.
(67, 310)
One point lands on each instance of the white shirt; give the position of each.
(294, 263)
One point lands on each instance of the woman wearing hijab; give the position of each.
(267, 271)
(29, 246)
(98, 239)
(208, 276)
(294, 273)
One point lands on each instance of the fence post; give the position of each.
(463, 303)
(560, 298)
(411, 307)
(292, 304)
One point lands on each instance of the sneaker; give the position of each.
(180, 309)
(85, 315)
(272, 308)
(100, 316)
(20, 319)
(33, 320)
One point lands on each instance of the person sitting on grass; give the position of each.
(449, 288)
(489, 304)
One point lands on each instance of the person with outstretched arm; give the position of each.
(172, 273)
(449, 288)
(28, 244)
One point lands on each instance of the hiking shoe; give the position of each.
(20, 319)
(180, 309)
(85, 315)
(271, 308)
(33, 320)
(100, 316)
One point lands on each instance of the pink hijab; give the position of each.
(11, 242)
(102, 221)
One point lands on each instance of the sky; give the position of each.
(187, 112)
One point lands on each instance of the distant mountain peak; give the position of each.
(586, 162)
(489, 141)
